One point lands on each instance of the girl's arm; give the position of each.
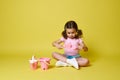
(85, 48)
(58, 44)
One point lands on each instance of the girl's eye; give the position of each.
(68, 32)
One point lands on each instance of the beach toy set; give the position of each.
(44, 63)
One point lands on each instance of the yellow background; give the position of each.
(28, 27)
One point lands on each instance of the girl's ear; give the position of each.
(76, 33)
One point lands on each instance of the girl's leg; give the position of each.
(59, 56)
(83, 61)
(67, 62)
(61, 59)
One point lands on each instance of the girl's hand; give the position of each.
(85, 48)
(59, 46)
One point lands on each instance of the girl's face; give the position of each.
(71, 33)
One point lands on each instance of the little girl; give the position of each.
(72, 44)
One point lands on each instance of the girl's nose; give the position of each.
(71, 34)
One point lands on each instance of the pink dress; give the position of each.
(71, 46)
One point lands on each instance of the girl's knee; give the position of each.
(84, 63)
(87, 62)
(53, 54)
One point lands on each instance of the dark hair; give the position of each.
(70, 25)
